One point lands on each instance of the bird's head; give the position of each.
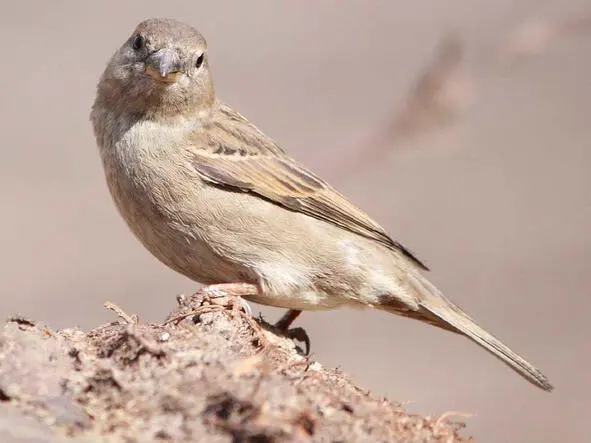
(161, 68)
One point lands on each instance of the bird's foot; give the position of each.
(228, 294)
(220, 297)
(299, 334)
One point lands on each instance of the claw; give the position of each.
(301, 335)
(298, 333)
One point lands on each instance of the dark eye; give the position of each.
(138, 42)
(199, 61)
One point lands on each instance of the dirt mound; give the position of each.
(210, 373)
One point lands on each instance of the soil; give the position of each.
(209, 373)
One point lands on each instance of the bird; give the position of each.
(215, 199)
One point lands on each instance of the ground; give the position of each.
(209, 373)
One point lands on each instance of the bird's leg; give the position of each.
(233, 293)
(234, 290)
(287, 319)
(299, 334)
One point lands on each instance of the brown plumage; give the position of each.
(217, 200)
(238, 156)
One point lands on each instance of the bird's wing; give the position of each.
(234, 154)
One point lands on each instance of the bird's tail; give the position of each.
(436, 309)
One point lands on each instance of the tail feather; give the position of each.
(435, 308)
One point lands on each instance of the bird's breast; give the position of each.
(145, 166)
(159, 200)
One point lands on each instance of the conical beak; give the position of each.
(164, 65)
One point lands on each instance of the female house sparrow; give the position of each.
(217, 200)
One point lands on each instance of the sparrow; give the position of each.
(215, 199)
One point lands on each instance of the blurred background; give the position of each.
(464, 127)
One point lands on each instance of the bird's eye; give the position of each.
(138, 42)
(199, 61)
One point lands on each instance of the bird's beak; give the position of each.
(164, 65)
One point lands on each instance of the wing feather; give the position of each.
(236, 155)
